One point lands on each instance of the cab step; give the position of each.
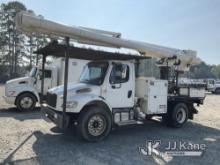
(129, 122)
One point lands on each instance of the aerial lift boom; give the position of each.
(29, 23)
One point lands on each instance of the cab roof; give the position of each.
(59, 50)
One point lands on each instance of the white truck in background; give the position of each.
(215, 89)
(25, 92)
(213, 86)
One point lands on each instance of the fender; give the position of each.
(28, 89)
(84, 100)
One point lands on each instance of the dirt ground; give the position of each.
(26, 138)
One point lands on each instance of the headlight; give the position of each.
(11, 93)
(71, 104)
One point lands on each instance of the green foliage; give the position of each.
(215, 70)
(12, 42)
(203, 71)
(16, 49)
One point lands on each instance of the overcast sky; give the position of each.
(183, 24)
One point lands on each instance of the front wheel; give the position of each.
(217, 91)
(94, 124)
(177, 116)
(26, 102)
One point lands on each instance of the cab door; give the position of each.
(120, 87)
(47, 80)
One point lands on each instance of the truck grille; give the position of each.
(51, 99)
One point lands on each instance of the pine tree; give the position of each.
(12, 41)
(33, 43)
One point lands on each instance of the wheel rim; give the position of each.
(26, 102)
(96, 125)
(181, 115)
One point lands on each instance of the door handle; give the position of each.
(114, 86)
(129, 93)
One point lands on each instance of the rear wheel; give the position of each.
(94, 124)
(26, 102)
(177, 116)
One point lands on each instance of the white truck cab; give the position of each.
(25, 92)
(100, 81)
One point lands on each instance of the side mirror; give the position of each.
(39, 77)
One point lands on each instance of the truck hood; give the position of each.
(76, 88)
(16, 81)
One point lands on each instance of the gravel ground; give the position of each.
(26, 138)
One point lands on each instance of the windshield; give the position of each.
(33, 72)
(94, 73)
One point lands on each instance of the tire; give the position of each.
(148, 117)
(217, 91)
(94, 124)
(177, 116)
(26, 102)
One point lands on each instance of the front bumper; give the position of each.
(55, 117)
(210, 89)
(9, 100)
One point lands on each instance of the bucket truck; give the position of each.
(110, 92)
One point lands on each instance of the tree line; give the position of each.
(205, 71)
(16, 48)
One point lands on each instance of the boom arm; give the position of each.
(30, 23)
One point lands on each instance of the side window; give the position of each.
(47, 73)
(119, 74)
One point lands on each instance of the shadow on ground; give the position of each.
(20, 115)
(122, 146)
